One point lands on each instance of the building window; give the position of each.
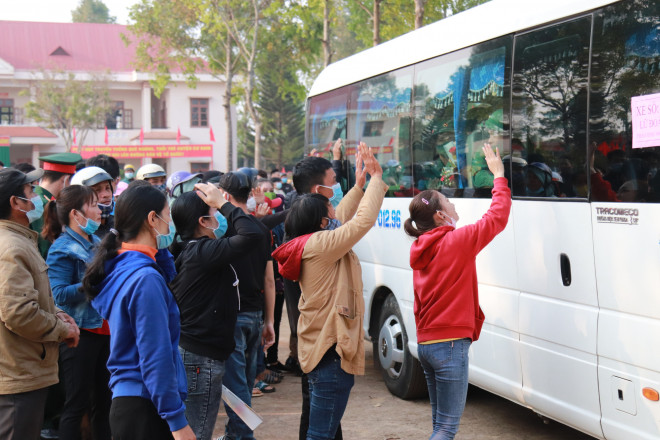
(6, 111)
(199, 112)
(199, 167)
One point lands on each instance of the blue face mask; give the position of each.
(220, 231)
(278, 185)
(35, 213)
(129, 175)
(337, 194)
(333, 224)
(163, 241)
(162, 188)
(90, 227)
(284, 179)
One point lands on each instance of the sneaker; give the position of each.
(277, 366)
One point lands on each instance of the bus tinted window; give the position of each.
(461, 102)
(379, 115)
(549, 112)
(626, 64)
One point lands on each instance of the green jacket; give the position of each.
(38, 225)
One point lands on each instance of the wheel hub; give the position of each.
(390, 346)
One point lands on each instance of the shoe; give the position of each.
(270, 377)
(49, 434)
(278, 367)
(264, 387)
(256, 392)
(293, 366)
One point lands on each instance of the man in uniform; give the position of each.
(58, 169)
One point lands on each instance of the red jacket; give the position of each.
(445, 273)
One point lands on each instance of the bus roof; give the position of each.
(481, 23)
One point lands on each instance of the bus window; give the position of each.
(461, 102)
(626, 64)
(549, 111)
(379, 115)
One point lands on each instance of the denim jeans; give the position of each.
(329, 388)
(204, 392)
(241, 369)
(445, 366)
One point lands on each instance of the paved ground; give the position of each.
(374, 414)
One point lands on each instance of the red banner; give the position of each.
(141, 151)
(350, 151)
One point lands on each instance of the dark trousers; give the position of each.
(136, 418)
(304, 416)
(271, 354)
(292, 296)
(86, 377)
(22, 414)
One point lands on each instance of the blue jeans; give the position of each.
(329, 388)
(241, 369)
(445, 366)
(204, 392)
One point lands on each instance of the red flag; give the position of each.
(74, 135)
(141, 135)
(178, 135)
(283, 170)
(211, 134)
(106, 135)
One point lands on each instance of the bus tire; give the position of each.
(401, 372)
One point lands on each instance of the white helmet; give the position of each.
(150, 170)
(90, 176)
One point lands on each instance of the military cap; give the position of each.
(61, 162)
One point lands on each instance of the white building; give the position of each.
(84, 48)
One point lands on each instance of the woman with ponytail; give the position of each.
(127, 287)
(447, 313)
(71, 222)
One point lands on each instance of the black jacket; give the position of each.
(205, 287)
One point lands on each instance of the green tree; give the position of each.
(92, 11)
(61, 102)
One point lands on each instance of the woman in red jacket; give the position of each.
(447, 313)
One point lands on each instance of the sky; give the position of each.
(56, 10)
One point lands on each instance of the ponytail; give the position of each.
(131, 211)
(411, 229)
(52, 226)
(71, 198)
(422, 209)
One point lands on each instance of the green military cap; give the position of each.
(61, 162)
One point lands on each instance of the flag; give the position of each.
(106, 135)
(74, 135)
(211, 134)
(141, 135)
(283, 170)
(178, 135)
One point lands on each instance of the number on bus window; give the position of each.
(549, 111)
(626, 63)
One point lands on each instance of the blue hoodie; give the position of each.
(144, 323)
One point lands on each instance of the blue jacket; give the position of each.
(67, 260)
(144, 323)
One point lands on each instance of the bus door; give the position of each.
(625, 211)
(558, 313)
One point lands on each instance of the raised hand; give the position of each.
(211, 195)
(336, 150)
(493, 160)
(262, 210)
(360, 171)
(371, 164)
(258, 195)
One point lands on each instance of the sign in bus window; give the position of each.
(460, 103)
(625, 90)
(549, 111)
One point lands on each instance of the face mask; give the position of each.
(337, 194)
(90, 227)
(163, 241)
(278, 185)
(333, 224)
(284, 179)
(129, 175)
(162, 188)
(219, 232)
(451, 223)
(251, 204)
(35, 213)
(106, 210)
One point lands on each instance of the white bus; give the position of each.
(570, 93)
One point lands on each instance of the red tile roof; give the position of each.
(37, 132)
(90, 46)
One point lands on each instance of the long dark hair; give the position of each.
(131, 210)
(57, 212)
(422, 209)
(186, 211)
(306, 215)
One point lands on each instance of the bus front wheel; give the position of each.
(401, 371)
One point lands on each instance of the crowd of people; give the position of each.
(129, 299)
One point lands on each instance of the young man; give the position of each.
(58, 169)
(154, 174)
(257, 299)
(31, 326)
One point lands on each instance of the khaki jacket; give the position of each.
(30, 331)
(331, 305)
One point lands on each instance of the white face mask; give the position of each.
(251, 204)
(449, 220)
